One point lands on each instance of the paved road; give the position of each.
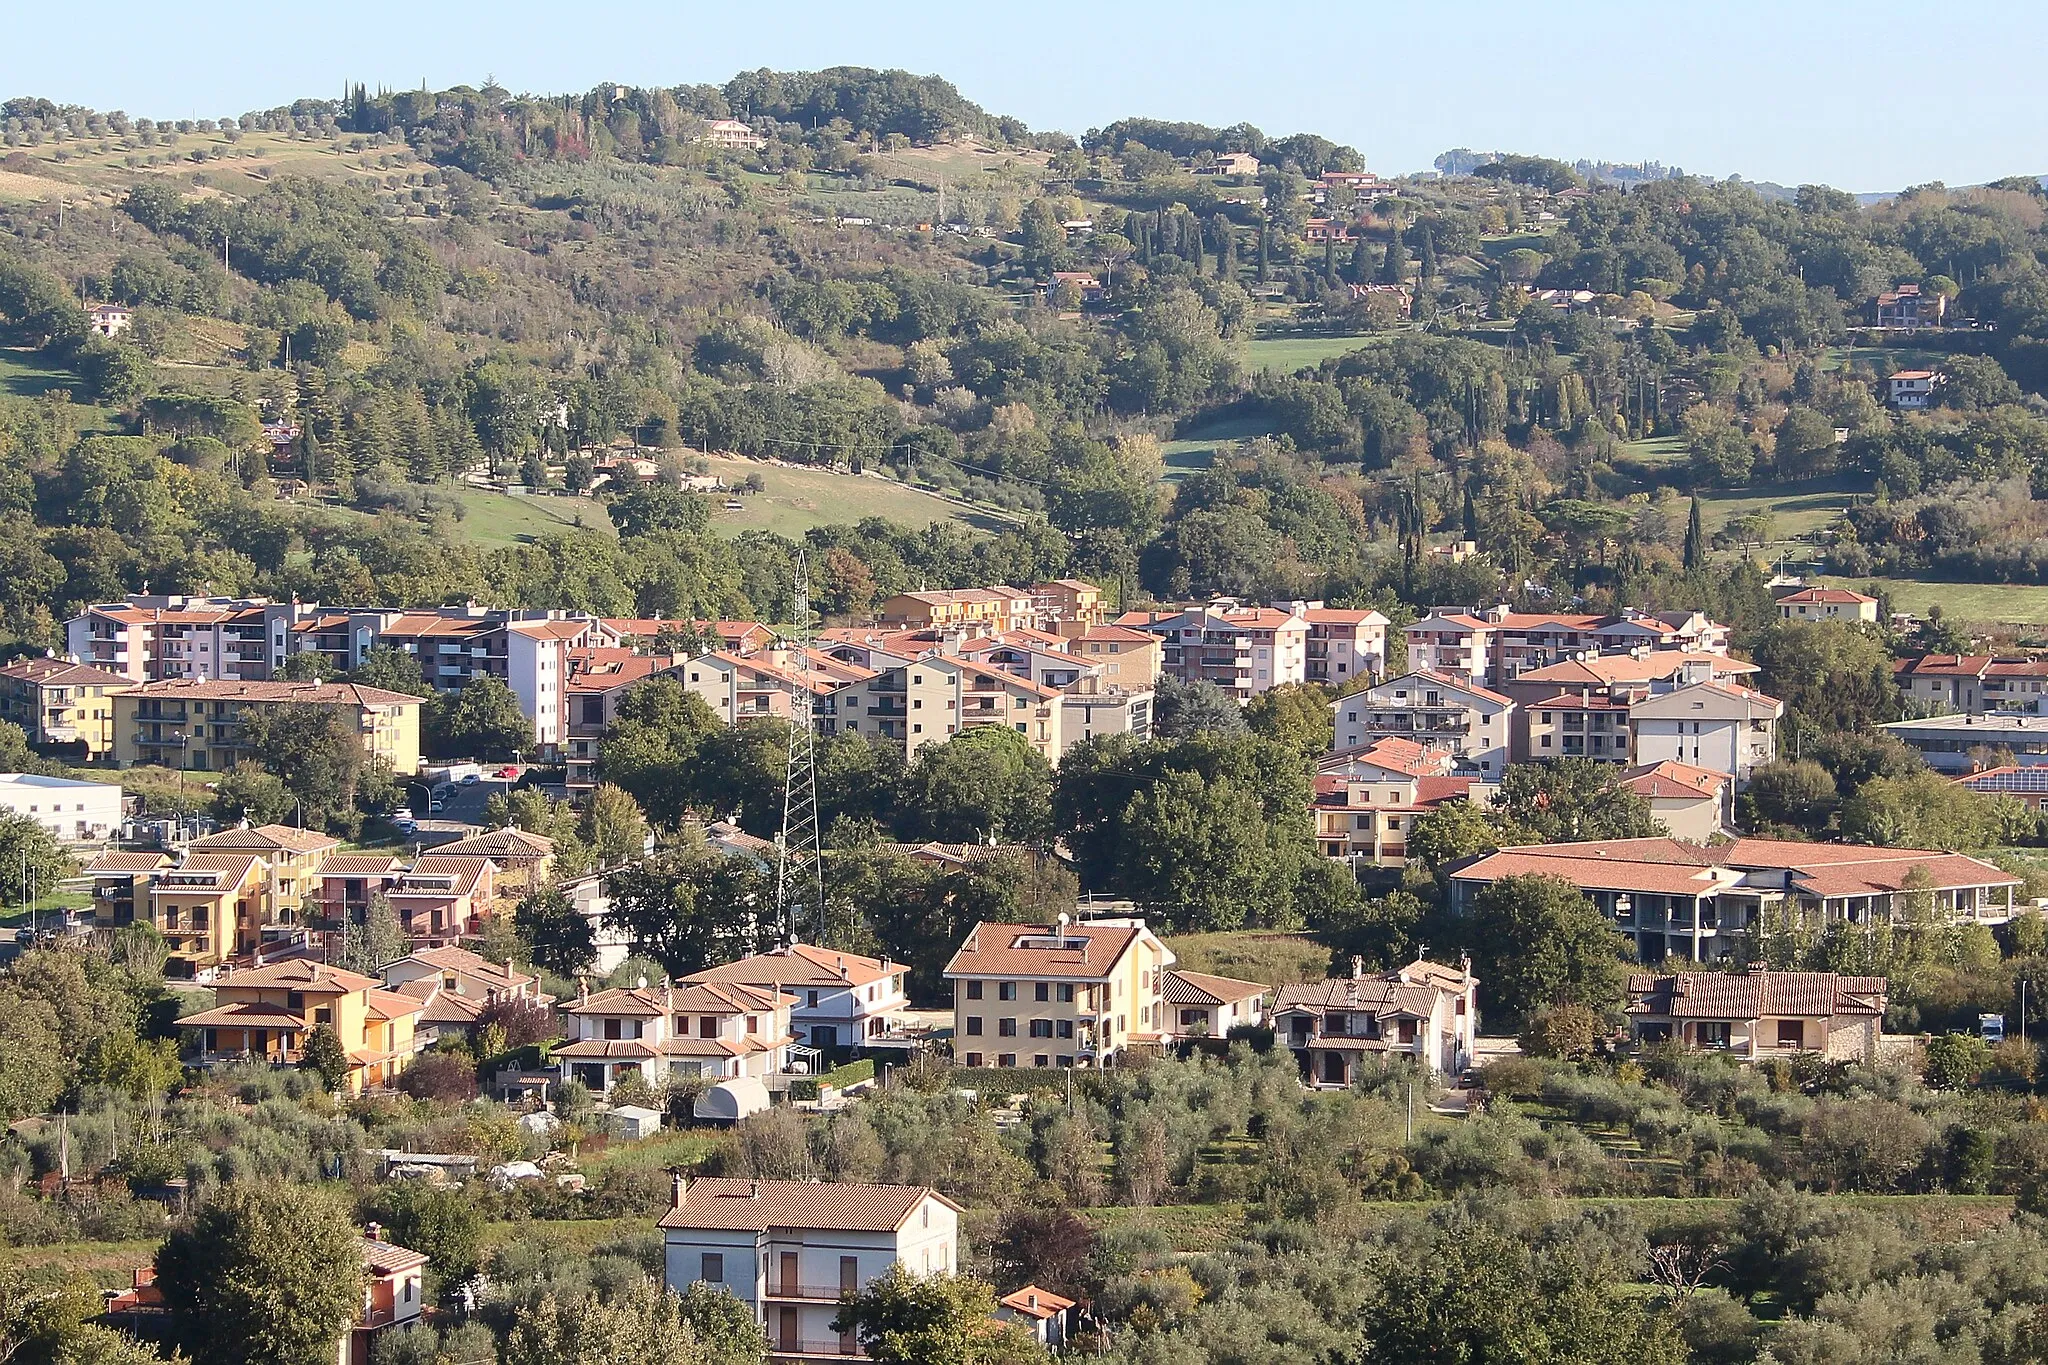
(464, 803)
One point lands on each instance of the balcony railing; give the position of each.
(797, 1289)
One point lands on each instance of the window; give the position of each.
(1041, 1028)
(1043, 990)
(974, 1026)
(974, 990)
(611, 1028)
(1066, 993)
(1006, 1059)
(712, 1271)
(1006, 1028)
(1006, 990)
(707, 1026)
(1066, 1028)
(1041, 1061)
(811, 999)
(974, 1059)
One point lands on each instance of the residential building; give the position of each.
(148, 638)
(59, 703)
(1472, 722)
(2028, 786)
(931, 699)
(520, 856)
(712, 1030)
(790, 1250)
(1046, 659)
(1245, 650)
(1904, 308)
(1581, 708)
(1331, 230)
(730, 133)
(979, 610)
(1681, 900)
(1584, 724)
(1494, 646)
(736, 687)
(1973, 683)
(1126, 658)
(1760, 1013)
(1066, 605)
(1086, 285)
(393, 1297)
(267, 1013)
(1042, 1313)
(293, 858)
(1912, 390)
(1714, 725)
(599, 679)
(120, 885)
(442, 899)
(1065, 994)
(1691, 803)
(1368, 818)
(734, 637)
(211, 908)
(1966, 743)
(189, 723)
(455, 986)
(72, 812)
(108, 319)
(1342, 644)
(1826, 604)
(1425, 1011)
(1199, 1005)
(1235, 163)
(1111, 711)
(842, 999)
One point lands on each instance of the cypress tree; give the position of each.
(1360, 271)
(1265, 248)
(1695, 539)
(1330, 258)
(1394, 265)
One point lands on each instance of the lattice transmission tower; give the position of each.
(799, 867)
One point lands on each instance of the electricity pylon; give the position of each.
(799, 868)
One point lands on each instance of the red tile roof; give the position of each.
(757, 1205)
(1835, 596)
(1085, 952)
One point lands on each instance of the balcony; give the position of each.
(795, 1289)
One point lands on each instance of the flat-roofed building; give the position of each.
(73, 812)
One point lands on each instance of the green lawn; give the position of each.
(1275, 959)
(796, 499)
(494, 519)
(1197, 449)
(29, 374)
(2023, 604)
(1796, 509)
(1656, 449)
(1288, 354)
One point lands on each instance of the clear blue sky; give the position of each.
(1870, 96)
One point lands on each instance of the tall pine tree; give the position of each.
(1695, 540)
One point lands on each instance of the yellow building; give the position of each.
(210, 907)
(267, 1012)
(189, 723)
(294, 857)
(56, 702)
(938, 696)
(1064, 994)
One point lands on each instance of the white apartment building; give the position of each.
(714, 1031)
(1245, 650)
(1713, 725)
(789, 1249)
(73, 812)
(842, 999)
(1472, 722)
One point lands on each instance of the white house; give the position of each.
(671, 1032)
(1436, 709)
(842, 999)
(1913, 388)
(1040, 1312)
(1199, 1005)
(1826, 604)
(73, 812)
(1719, 726)
(789, 1249)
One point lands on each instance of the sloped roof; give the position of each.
(800, 964)
(757, 1205)
(1085, 952)
(1754, 995)
(1200, 988)
(1833, 596)
(301, 975)
(266, 839)
(63, 673)
(498, 844)
(324, 694)
(1034, 1302)
(1672, 780)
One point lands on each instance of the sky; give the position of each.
(1867, 97)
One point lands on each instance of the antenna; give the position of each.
(799, 867)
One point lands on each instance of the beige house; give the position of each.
(714, 1030)
(1760, 1013)
(1064, 994)
(1692, 803)
(1470, 721)
(842, 999)
(1128, 658)
(931, 699)
(1199, 1005)
(294, 856)
(1827, 604)
(1425, 1011)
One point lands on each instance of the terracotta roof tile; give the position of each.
(757, 1205)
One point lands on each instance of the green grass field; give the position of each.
(2018, 604)
(1657, 450)
(1197, 449)
(28, 374)
(494, 519)
(1796, 509)
(797, 499)
(1288, 354)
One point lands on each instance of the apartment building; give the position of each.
(929, 700)
(1067, 604)
(737, 688)
(734, 637)
(1586, 724)
(1088, 713)
(1065, 994)
(149, 638)
(1826, 604)
(267, 1013)
(1760, 1013)
(978, 610)
(120, 885)
(1336, 1029)
(1245, 650)
(1367, 819)
(1126, 658)
(293, 858)
(1562, 709)
(1342, 644)
(210, 908)
(599, 680)
(1691, 803)
(842, 999)
(1719, 726)
(1472, 722)
(1973, 684)
(1495, 646)
(791, 1250)
(72, 812)
(1682, 900)
(712, 1030)
(455, 986)
(440, 898)
(1048, 660)
(58, 703)
(196, 724)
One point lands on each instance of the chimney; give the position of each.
(679, 1185)
(374, 1231)
(1357, 967)
(582, 990)
(1759, 968)
(753, 1189)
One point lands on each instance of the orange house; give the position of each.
(267, 1012)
